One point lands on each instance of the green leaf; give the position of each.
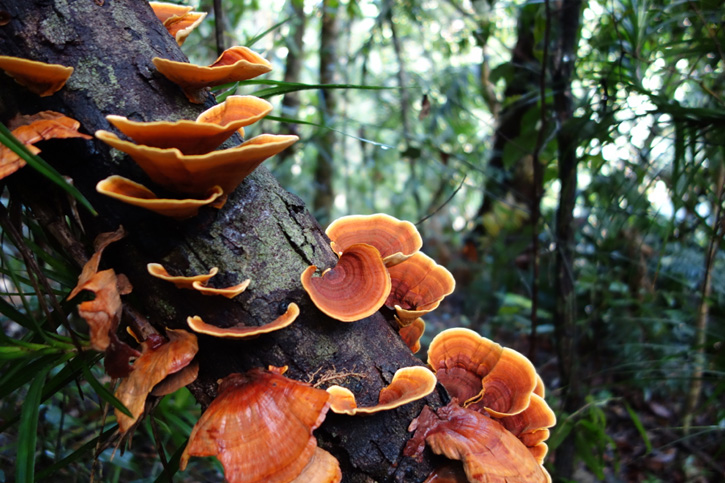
(640, 427)
(104, 393)
(7, 138)
(27, 432)
(173, 466)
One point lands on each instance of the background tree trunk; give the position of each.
(262, 232)
(329, 33)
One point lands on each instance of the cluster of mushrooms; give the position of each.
(260, 426)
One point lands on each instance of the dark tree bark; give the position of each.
(262, 232)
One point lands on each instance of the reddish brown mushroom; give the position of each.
(409, 384)
(235, 64)
(136, 194)
(419, 285)
(322, 468)
(356, 288)
(532, 425)
(180, 26)
(396, 240)
(412, 333)
(260, 427)
(158, 271)
(165, 10)
(197, 174)
(211, 128)
(228, 292)
(158, 359)
(244, 332)
(488, 451)
(40, 78)
(34, 128)
(461, 358)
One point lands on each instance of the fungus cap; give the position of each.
(234, 64)
(487, 450)
(396, 240)
(244, 332)
(412, 333)
(419, 285)
(409, 384)
(354, 289)
(228, 292)
(196, 174)
(136, 194)
(322, 468)
(260, 427)
(157, 270)
(38, 77)
(211, 128)
(180, 26)
(165, 10)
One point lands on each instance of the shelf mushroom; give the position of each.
(487, 450)
(354, 289)
(419, 285)
(210, 129)
(244, 332)
(38, 77)
(136, 194)
(260, 427)
(396, 240)
(409, 384)
(30, 129)
(234, 64)
(197, 174)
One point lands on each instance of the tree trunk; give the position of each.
(567, 333)
(324, 193)
(262, 233)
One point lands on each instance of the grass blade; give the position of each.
(77, 454)
(27, 432)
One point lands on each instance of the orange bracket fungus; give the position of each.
(419, 285)
(158, 359)
(136, 194)
(479, 372)
(35, 128)
(158, 271)
(180, 26)
(40, 78)
(532, 425)
(177, 380)
(235, 64)
(228, 292)
(356, 288)
(164, 10)
(412, 333)
(322, 468)
(211, 128)
(260, 427)
(197, 174)
(396, 240)
(244, 332)
(409, 384)
(487, 450)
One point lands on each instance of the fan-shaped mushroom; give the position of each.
(409, 384)
(244, 332)
(211, 128)
(196, 174)
(260, 427)
(488, 451)
(235, 64)
(356, 288)
(396, 240)
(412, 333)
(419, 285)
(137, 194)
(40, 78)
(158, 271)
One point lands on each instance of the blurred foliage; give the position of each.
(649, 120)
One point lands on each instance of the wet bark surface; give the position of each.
(262, 233)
